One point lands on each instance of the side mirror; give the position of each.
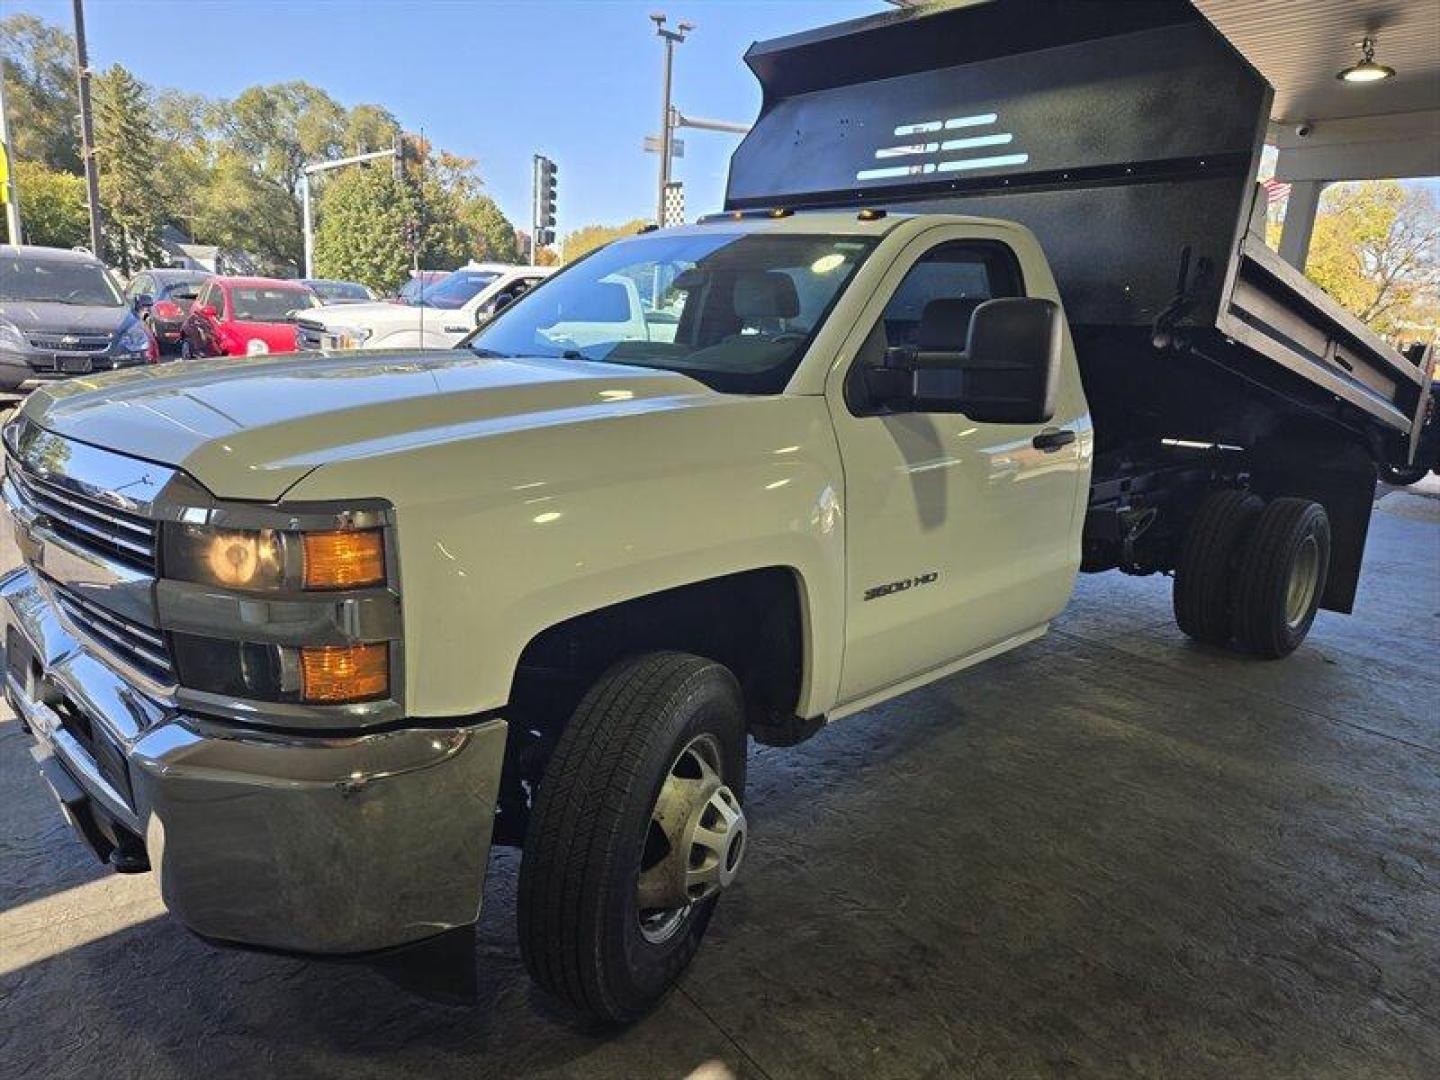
(141, 302)
(1009, 372)
(209, 312)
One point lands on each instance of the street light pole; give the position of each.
(667, 118)
(306, 214)
(87, 131)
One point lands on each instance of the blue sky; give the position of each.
(578, 80)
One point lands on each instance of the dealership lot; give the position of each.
(1111, 851)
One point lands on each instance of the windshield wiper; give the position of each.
(576, 354)
(491, 354)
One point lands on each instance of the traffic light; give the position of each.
(544, 200)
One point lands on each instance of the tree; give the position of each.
(237, 209)
(125, 149)
(365, 219)
(283, 127)
(1375, 251)
(53, 204)
(587, 239)
(494, 235)
(39, 72)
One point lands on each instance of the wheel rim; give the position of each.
(1304, 577)
(694, 843)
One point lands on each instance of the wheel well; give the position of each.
(750, 622)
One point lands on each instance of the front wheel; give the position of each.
(636, 829)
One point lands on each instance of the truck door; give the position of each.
(960, 536)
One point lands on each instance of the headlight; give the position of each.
(272, 560)
(256, 347)
(350, 337)
(10, 336)
(135, 340)
(235, 657)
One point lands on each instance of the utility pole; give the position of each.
(306, 214)
(7, 167)
(667, 118)
(87, 132)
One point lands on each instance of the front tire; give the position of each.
(636, 828)
(1282, 577)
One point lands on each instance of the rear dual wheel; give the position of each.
(636, 829)
(1253, 572)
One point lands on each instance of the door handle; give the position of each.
(1052, 439)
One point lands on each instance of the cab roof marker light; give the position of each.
(998, 161)
(979, 120)
(906, 151)
(927, 128)
(977, 140)
(890, 172)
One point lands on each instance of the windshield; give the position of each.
(735, 310)
(268, 305)
(59, 281)
(339, 290)
(456, 289)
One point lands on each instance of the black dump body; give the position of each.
(1127, 137)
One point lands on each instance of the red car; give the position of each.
(244, 316)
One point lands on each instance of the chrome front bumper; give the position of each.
(304, 843)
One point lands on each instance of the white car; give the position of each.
(450, 310)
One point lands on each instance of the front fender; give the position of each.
(505, 535)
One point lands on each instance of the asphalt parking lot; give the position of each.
(1111, 852)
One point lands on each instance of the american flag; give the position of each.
(1275, 190)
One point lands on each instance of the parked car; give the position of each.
(339, 292)
(420, 280)
(443, 315)
(244, 316)
(61, 313)
(162, 299)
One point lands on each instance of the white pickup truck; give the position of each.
(306, 634)
(445, 314)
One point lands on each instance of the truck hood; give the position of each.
(251, 428)
(375, 314)
(33, 315)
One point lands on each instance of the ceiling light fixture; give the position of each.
(1367, 70)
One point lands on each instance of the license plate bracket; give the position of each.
(74, 365)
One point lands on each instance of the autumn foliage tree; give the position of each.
(1376, 249)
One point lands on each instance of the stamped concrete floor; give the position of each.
(1111, 852)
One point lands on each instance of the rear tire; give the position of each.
(1282, 577)
(583, 933)
(1204, 578)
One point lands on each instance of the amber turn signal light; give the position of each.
(344, 560)
(331, 674)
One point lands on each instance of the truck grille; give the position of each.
(310, 335)
(71, 343)
(107, 530)
(141, 647)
